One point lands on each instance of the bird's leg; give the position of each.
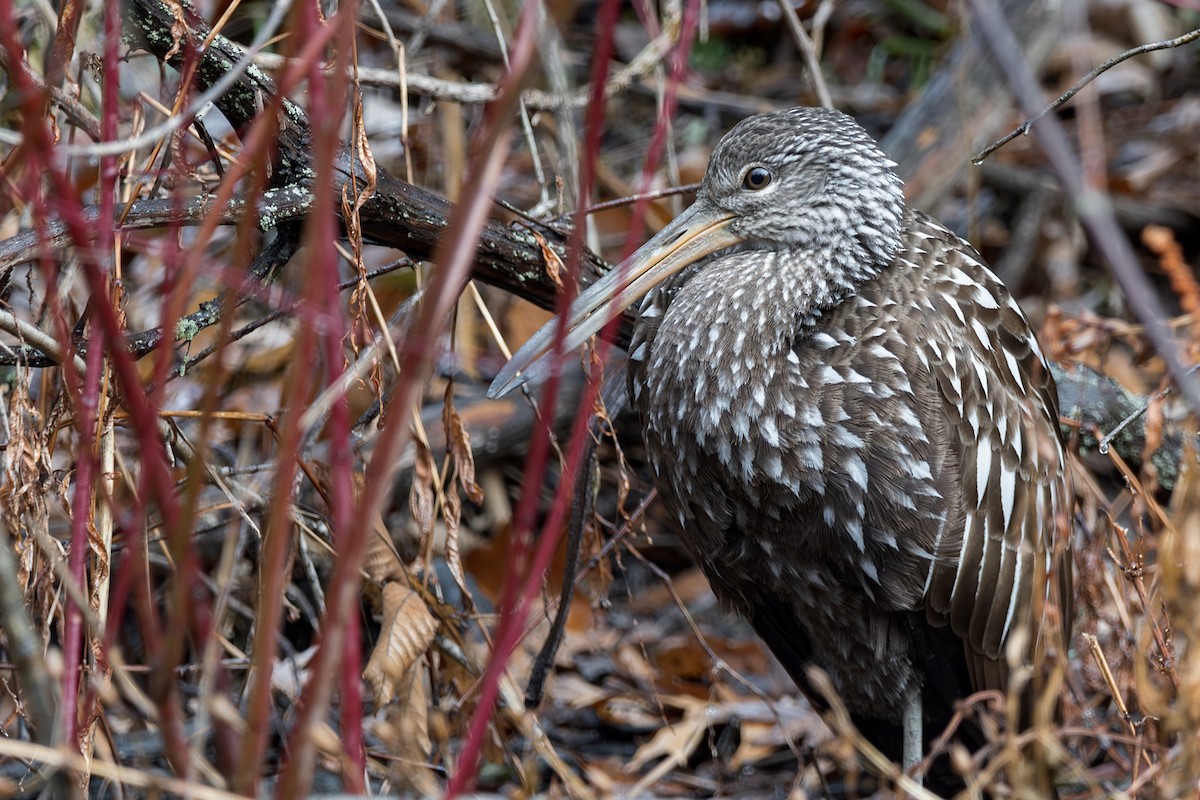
(912, 728)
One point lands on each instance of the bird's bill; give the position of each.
(700, 231)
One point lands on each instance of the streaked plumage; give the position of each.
(849, 416)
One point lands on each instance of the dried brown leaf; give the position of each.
(326, 739)
(408, 629)
(1161, 241)
(381, 563)
(26, 490)
(578, 693)
(554, 264)
(100, 565)
(754, 745)
(632, 663)
(604, 776)
(458, 443)
(673, 743)
(403, 732)
(362, 151)
(422, 495)
(179, 28)
(630, 712)
(766, 728)
(452, 514)
(27, 462)
(354, 195)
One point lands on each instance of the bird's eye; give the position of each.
(757, 178)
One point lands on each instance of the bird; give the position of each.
(852, 422)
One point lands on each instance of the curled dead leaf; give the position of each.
(381, 562)
(674, 744)
(422, 495)
(407, 632)
(362, 150)
(403, 730)
(458, 442)
(554, 264)
(452, 514)
(1161, 241)
(179, 28)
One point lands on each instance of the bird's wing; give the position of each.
(1008, 497)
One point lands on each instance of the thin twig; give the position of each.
(282, 204)
(477, 93)
(25, 648)
(1023, 129)
(195, 109)
(535, 155)
(809, 51)
(318, 409)
(121, 775)
(718, 664)
(34, 337)
(77, 113)
(254, 325)
(581, 511)
(620, 202)
(1136, 576)
(838, 719)
(1106, 672)
(1154, 398)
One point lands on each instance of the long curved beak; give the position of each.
(700, 230)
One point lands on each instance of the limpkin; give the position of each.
(851, 419)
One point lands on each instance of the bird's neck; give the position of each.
(730, 324)
(771, 297)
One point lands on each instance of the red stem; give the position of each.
(324, 232)
(522, 584)
(81, 501)
(453, 258)
(277, 537)
(519, 569)
(84, 397)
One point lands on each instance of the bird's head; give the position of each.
(807, 180)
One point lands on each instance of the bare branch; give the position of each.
(1023, 129)
(476, 93)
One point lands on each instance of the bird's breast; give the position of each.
(710, 378)
(763, 426)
